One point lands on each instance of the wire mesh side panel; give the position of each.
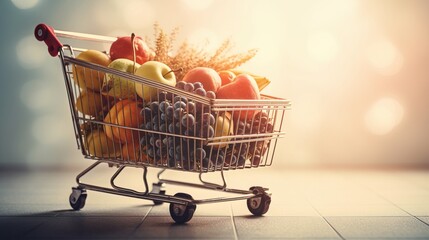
(250, 129)
(128, 120)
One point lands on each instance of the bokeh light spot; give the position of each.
(383, 116)
(25, 4)
(47, 129)
(322, 46)
(31, 53)
(384, 57)
(35, 95)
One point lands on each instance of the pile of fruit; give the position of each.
(134, 121)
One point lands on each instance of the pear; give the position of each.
(120, 87)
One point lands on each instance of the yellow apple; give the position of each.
(153, 71)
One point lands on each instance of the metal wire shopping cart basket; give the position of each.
(212, 143)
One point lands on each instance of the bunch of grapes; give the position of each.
(254, 150)
(173, 116)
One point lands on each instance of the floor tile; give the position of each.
(86, 227)
(196, 228)
(99, 210)
(416, 209)
(31, 210)
(283, 227)
(214, 209)
(424, 219)
(208, 209)
(17, 227)
(379, 227)
(402, 198)
(239, 208)
(361, 210)
(161, 210)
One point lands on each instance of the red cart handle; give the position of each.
(45, 33)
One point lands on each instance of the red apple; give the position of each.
(226, 76)
(243, 86)
(123, 48)
(207, 76)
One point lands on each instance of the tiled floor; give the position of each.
(306, 204)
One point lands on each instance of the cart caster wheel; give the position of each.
(182, 213)
(77, 198)
(259, 205)
(157, 202)
(157, 188)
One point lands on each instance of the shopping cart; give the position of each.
(209, 143)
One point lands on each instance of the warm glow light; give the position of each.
(31, 53)
(331, 11)
(25, 4)
(197, 4)
(383, 116)
(137, 14)
(385, 57)
(205, 38)
(322, 46)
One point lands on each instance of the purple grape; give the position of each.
(178, 113)
(190, 107)
(180, 98)
(163, 127)
(211, 94)
(171, 128)
(154, 106)
(150, 152)
(198, 85)
(179, 104)
(200, 91)
(188, 120)
(208, 132)
(162, 96)
(163, 106)
(158, 143)
(200, 153)
(189, 87)
(178, 148)
(146, 113)
(171, 152)
(170, 112)
(208, 119)
(180, 85)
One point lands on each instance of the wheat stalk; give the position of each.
(189, 56)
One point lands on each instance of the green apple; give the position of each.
(154, 71)
(120, 87)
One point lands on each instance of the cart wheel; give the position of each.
(182, 213)
(77, 198)
(260, 204)
(157, 188)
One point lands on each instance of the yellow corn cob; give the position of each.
(260, 80)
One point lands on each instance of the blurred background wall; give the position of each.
(356, 71)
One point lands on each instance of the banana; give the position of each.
(260, 80)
